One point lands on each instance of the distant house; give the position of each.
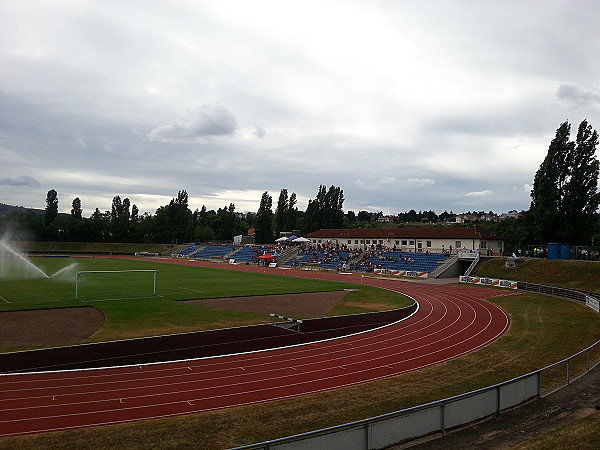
(466, 218)
(411, 239)
(511, 214)
(387, 219)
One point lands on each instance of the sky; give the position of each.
(442, 105)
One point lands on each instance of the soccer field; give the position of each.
(141, 314)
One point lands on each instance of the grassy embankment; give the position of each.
(543, 330)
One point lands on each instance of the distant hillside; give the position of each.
(4, 209)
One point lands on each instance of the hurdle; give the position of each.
(290, 322)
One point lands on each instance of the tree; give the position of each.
(580, 198)
(135, 212)
(564, 200)
(292, 213)
(281, 211)
(326, 210)
(51, 207)
(119, 218)
(364, 216)
(76, 211)
(264, 220)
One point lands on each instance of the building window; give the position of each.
(397, 242)
(356, 242)
(483, 244)
(368, 241)
(458, 244)
(362, 242)
(404, 242)
(380, 241)
(428, 244)
(411, 243)
(349, 241)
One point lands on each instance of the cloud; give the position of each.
(23, 180)
(420, 181)
(259, 131)
(205, 121)
(485, 193)
(576, 95)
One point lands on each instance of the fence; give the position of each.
(453, 412)
(443, 415)
(572, 294)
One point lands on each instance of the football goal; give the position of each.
(95, 285)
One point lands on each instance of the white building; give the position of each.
(433, 240)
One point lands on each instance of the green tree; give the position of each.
(564, 200)
(264, 220)
(325, 211)
(77, 227)
(291, 215)
(580, 197)
(51, 207)
(281, 212)
(76, 211)
(546, 204)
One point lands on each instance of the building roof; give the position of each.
(474, 232)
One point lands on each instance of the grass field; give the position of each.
(150, 316)
(543, 330)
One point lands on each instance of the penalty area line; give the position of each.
(4, 299)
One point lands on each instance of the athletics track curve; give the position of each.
(450, 322)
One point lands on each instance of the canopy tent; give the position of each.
(282, 239)
(301, 239)
(267, 256)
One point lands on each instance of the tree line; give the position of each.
(176, 222)
(564, 208)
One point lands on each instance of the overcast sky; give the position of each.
(403, 104)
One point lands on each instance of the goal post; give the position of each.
(95, 285)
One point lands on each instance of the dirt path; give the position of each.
(49, 327)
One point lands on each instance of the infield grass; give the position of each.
(152, 316)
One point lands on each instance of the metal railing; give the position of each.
(454, 412)
(572, 294)
(442, 415)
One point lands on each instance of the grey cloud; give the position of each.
(205, 121)
(577, 95)
(259, 131)
(23, 180)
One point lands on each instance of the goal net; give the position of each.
(94, 285)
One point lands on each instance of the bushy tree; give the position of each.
(325, 211)
(264, 220)
(51, 207)
(564, 198)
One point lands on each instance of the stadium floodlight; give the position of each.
(96, 285)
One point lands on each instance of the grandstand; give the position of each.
(324, 258)
(394, 260)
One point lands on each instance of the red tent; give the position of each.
(266, 256)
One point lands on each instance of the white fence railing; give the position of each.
(440, 416)
(454, 412)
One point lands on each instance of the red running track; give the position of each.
(450, 322)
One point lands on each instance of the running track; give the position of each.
(450, 322)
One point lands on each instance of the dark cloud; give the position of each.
(577, 95)
(205, 121)
(23, 180)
